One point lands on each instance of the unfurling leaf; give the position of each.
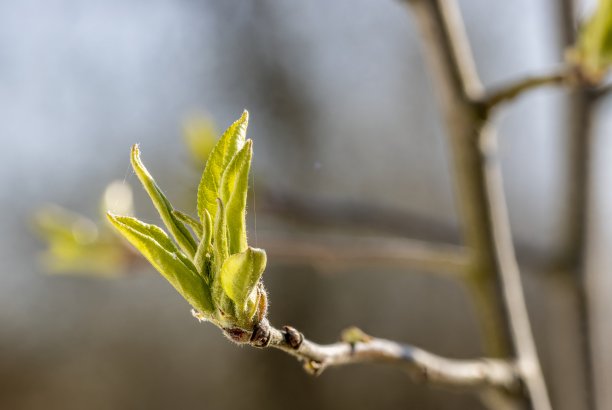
(188, 220)
(220, 236)
(220, 275)
(204, 248)
(161, 252)
(163, 206)
(240, 275)
(228, 145)
(234, 187)
(594, 47)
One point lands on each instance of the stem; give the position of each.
(478, 179)
(423, 366)
(511, 91)
(463, 121)
(580, 122)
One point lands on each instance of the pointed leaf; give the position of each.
(188, 220)
(219, 244)
(219, 239)
(228, 145)
(204, 247)
(161, 252)
(234, 187)
(163, 206)
(241, 273)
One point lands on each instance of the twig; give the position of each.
(351, 216)
(424, 366)
(602, 91)
(580, 121)
(342, 252)
(478, 177)
(510, 277)
(463, 121)
(510, 91)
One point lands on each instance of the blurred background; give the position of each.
(348, 139)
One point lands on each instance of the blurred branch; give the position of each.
(563, 76)
(457, 86)
(350, 215)
(344, 252)
(479, 186)
(511, 91)
(582, 101)
(603, 91)
(363, 348)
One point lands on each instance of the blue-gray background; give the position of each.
(342, 109)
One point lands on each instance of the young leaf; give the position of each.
(228, 145)
(163, 206)
(188, 220)
(241, 273)
(161, 252)
(220, 236)
(204, 246)
(595, 41)
(234, 187)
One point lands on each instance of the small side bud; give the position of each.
(293, 337)
(354, 335)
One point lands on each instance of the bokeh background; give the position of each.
(343, 116)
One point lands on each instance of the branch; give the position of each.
(603, 91)
(423, 366)
(351, 215)
(479, 184)
(340, 252)
(564, 76)
(510, 91)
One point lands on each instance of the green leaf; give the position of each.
(219, 239)
(240, 275)
(234, 187)
(204, 247)
(595, 40)
(228, 145)
(188, 220)
(161, 252)
(163, 206)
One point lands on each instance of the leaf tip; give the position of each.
(135, 151)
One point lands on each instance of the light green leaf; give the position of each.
(163, 206)
(234, 187)
(204, 247)
(188, 220)
(595, 40)
(228, 145)
(220, 236)
(161, 252)
(241, 273)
